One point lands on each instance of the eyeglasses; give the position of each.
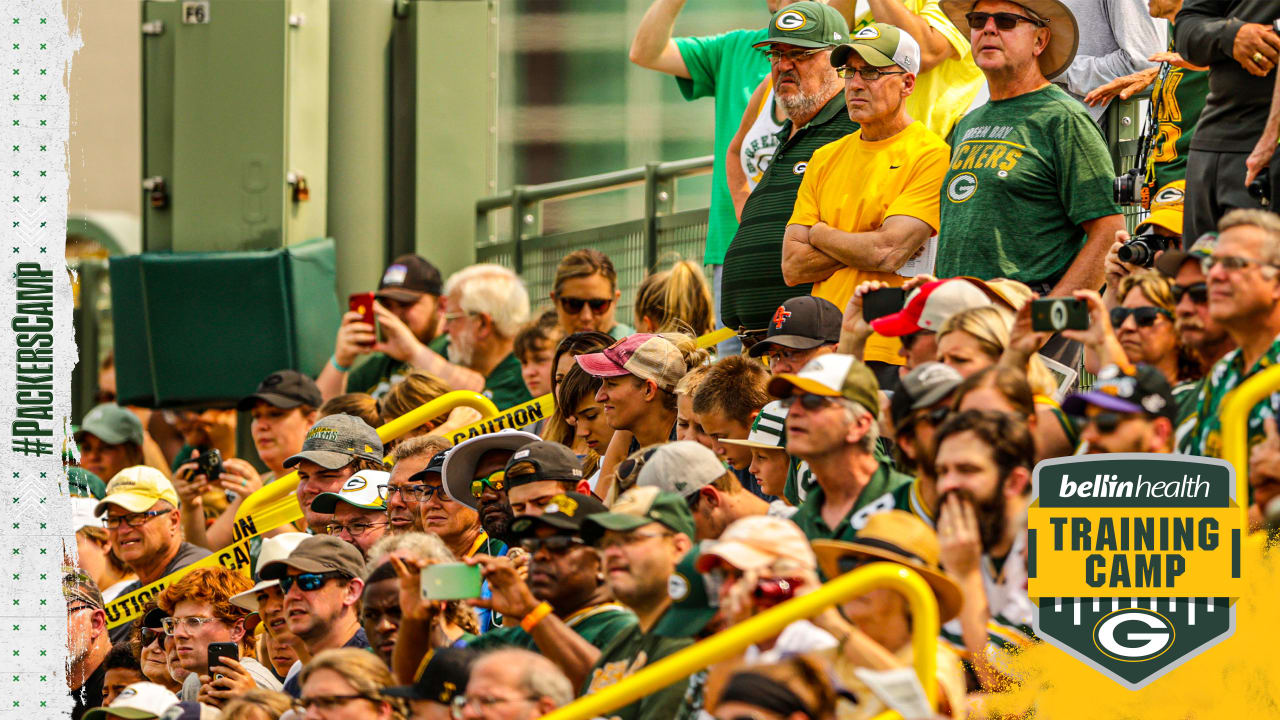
(190, 624)
(481, 701)
(1004, 20)
(784, 354)
(1230, 263)
(630, 468)
(1199, 292)
(810, 401)
(450, 317)
(496, 481)
(792, 55)
(132, 519)
(573, 305)
(355, 529)
(413, 493)
(307, 582)
(555, 544)
(869, 74)
(328, 702)
(619, 540)
(1144, 316)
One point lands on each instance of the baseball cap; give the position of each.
(802, 323)
(84, 484)
(683, 467)
(191, 710)
(136, 489)
(273, 549)
(335, 440)
(284, 389)
(111, 424)
(832, 375)
(547, 460)
(1170, 261)
(566, 511)
(459, 467)
(881, 45)
(79, 587)
(768, 430)
(408, 277)
(317, 554)
(647, 356)
(925, 385)
(443, 678)
(435, 465)
(929, 305)
(360, 490)
(692, 604)
(760, 543)
(139, 701)
(808, 25)
(638, 507)
(1146, 391)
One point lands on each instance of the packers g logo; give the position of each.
(1133, 634)
(354, 484)
(1171, 193)
(790, 20)
(869, 32)
(800, 167)
(962, 187)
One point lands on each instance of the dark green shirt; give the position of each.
(1025, 174)
(379, 372)
(1179, 96)
(599, 625)
(752, 287)
(504, 386)
(630, 652)
(875, 497)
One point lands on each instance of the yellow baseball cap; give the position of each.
(136, 489)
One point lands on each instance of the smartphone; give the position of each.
(1053, 314)
(218, 651)
(363, 304)
(210, 464)
(451, 581)
(885, 301)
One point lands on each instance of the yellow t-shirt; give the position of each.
(944, 93)
(854, 185)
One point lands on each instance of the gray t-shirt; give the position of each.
(187, 554)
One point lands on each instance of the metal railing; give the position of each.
(634, 245)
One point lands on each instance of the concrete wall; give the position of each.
(105, 155)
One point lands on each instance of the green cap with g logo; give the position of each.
(808, 25)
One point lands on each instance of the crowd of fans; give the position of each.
(940, 148)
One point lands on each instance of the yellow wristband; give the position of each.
(535, 616)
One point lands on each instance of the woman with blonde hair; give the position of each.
(257, 704)
(586, 294)
(978, 338)
(418, 389)
(347, 684)
(676, 300)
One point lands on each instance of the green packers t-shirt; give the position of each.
(629, 653)
(379, 372)
(599, 625)
(504, 386)
(875, 497)
(1025, 173)
(729, 69)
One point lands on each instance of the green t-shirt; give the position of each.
(1025, 173)
(619, 660)
(728, 68)
(875, 497)
(504, 386)
(599, 625)
(752, 287)
(378, 372)
(1179, 96)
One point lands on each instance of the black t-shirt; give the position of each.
(89, 696)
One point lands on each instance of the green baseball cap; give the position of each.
(638, 507)
(881, 45)
(111, 424)
(808, 25)
(692, 605)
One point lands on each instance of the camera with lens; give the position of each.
(1128, 188)
(209, 464)
(1260, 188)
(1141, 250)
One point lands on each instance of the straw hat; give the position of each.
(1064, 35)
(899, 537)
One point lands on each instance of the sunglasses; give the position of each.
(1106, 422)
(809, 401)
(909, 341)
(1004, 20)
(555, 544)
(868, 74)
(935, 417)
(574, 305)
(307, 582)
(1199, 292)
(150, 635)
(1144, 316)
(628, 469)
(496, 481)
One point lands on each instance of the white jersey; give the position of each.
(760, 142)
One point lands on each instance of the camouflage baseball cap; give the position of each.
(808, 25)
(335, 440)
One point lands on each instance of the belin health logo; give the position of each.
(1134, 559)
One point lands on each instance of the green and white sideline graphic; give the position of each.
(38, 355)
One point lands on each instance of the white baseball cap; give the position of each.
(139, 701)
(683, 467)
(360, 490)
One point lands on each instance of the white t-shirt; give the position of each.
(760, 142)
